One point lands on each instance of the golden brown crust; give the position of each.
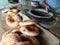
(27, 22)
(33, 40)
(6, 10)
(12, 19)
(30, 30)
(15, 10)
(13, 38)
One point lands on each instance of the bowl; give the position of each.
(40, 13)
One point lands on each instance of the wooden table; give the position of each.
(56, 28)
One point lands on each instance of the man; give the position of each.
(54, 4)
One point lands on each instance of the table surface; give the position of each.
(56, 28)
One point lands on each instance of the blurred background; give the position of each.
(5, 3)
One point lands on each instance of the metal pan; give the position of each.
(50, 14)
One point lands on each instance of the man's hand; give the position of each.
(45, 5)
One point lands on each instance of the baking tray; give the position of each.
(45, 37)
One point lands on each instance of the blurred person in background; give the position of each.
(53, 4)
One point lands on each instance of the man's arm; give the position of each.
(44, 2)
(45, 5)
